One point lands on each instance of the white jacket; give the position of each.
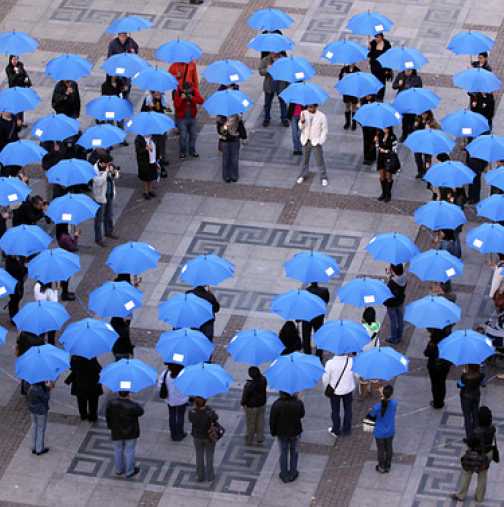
(497, 279)
(100, 185)
(333, 369)
(314, 128)
(175, 397)
(48, 295)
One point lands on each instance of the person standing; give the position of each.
(293, 114)
(368, 135)
(497, 285)
(478, 166)
(289, 336)
(10, 125)
(145, 149)
(395, 305)
(38, 404)
(377, 47)
(307, 327)
(253, 402)
(231, 130)
(405, 80)
(272, 87)
(207, 328)
(484, 104)
(17, 76)
(386, 145)
(16, 267)
(349, 101)
(313, 126)
(122, 414)
(438, 368)
(122, 348)
(185, 73)
(482, 61)
(469, 384)
(66, 98)
(69, 242)
(372, 327)
(123, 43)
(45, 292)
(285, 424)
(424, 160)
(30, 211)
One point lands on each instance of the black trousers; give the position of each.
(422, 160)
(368, 135)
(438, 384)
(408, 122)
(306, 331)
(88, 406)
(385, 452)
(475, 188)
(15, 299)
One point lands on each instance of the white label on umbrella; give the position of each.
(120, 70)
(478, 243)
(245, 102)
(178, 357)
(184, 268)
(299, 75)
(12, 197)
(403, 361)
(379, 28)
(3, 291)
(369, 299)
(234, 338)
(397, 115)
(109, 327)
(467, 131)
(329, 271)
(450, 272)
(149, 246)
(409, 65)
(234, 77)
(125, 384)
(110, 115)
(96, 142)
(66, 217)
(39, 132)
(329, 54)
(129, 305)
(129, 123)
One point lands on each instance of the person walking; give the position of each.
(349, 101)
(38, 396)
(122, 348)
(289, 336)
(69, 242)
(207, 328)
(469, 384)
(307, 327)
(397, 283)
(313, 126)
(368, 135)
(285, 424)
(66, 98)
(175, 400)
(377, 47)
(437, 368)
(45, 292)
(16, 267)
(272, 87)
(253, 402)
(231, 130)
(388, 161)
(122, 414)
(148, 167)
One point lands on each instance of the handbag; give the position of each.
(163, 390)
(329, 390)
(216, 430)
(368, 423)
(242, 131)
(495, 451)
(392, 163)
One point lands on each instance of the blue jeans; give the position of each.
(268, 100)
(230, 160)
(395, 314)
(187, 130)
(39, 426)
(296, 133)
(105, 216)
(288, 456)
(335, 413)
(124, 451)
(176, 416)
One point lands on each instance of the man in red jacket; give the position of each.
(186, 99)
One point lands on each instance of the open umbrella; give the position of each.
(465, 123)
(42, 363)
(298, 305)
(438, 215)
(124, 65)
(492, 208)
(53, 265)
(466, 346)
(486, 238)
(39, 317)
(227, 72)
(380, 363)
(416, 101)
(401, 58)
(115, 299)
(362, 292)
(72, 209)
(185, 310)
(109, 107)
(272, 42)
(227, 102)
(435, 312)
(16, 100)
(12, 191)
(150, 123)
(470, 43)
(392, 247)
(68, 67)
(21, 153)
(101, 136)
(7, 283)
(255, 346)
(311, 266)
(436, 266)
(269, 19)
(133, 257)
(55, 127)
(130, 375)
(344, 52)
(17, 43)
(157, 80)
(128, 24)
(184, 346)
(495, 178)
(369, 23)
(204, 380)
(291, 69)
(24, 240)
(207, 269)
(430, 141)
(179, 50)
(69, 172)
(487, 147)
(377, 115)
(450, 174)
(3, 335)
(359, 84)
(304, 93)
(477, 80)
(341, 337)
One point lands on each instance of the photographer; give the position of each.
(186, 99)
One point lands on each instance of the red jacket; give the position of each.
(180, 103)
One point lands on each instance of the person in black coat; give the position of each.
(438, 368)
(123, 43)
(30, 212)
(482, 62)
(289, 336)
(377, 47)
(349, 101)
(146, 156)
(405, 80)
(207, 328)
(386, 146)
(397, 284)
(254, 403)
(17, 76)
(478, 166)
(66, 98)
(469, 384)
(25, 341)
(368, 135)
(10, 126)
(484, 104)
(307, 327)
(123, 348)
(16, 267)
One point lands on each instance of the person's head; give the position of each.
(483, 58)
(123, 277)
(379, 37)
(37, 202)
(124, 394)
(123, 37)
(284, 395)
(288, 328)
(397, 269)
(61, 229)
(369, 315)
(13, 60)
(275, 56)
(199, 402)
(312, 108)
(473, 370)
(484, 416)
(44, 286)
(254, 372)
(156, 95)
(409, 72)
(174, 369)
(448, 234)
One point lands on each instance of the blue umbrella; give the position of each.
(17, 43)
(227, 102)
(179, 50)
(291, 69)
(362, 292)
(68, 67)
(486, 238)
(477, 80)
(53, 265)
(272, 42)
(69, 172)
(380, 363)
(204, 380)
(208, 269)
(402, 58)
(88, 338)
(12, 191)
(451, 174)
(3, 335)
(294, 372)
(436, 266)
(109, 107)
(298, 305)
(150, 123)
(269, 19)
(7, 283)
(129, 24)
(133, 257)
(16, 100)
(429, 141)
(184, 346)
(465, 123)
(311, 266)
(438, 215)
(304, 94)
(39, 317)
(124, 65)
(487, 147)
(466, 346)
(470, 43)
(227, 72)
(369, 23)
(432, 312)
(157, 80)
(130, 375)
(72, 209)
(392, 247)
(24, 240)
(377, 115)
(344, 52)
(416, 101)
(55, 127)
(42, 363)
(492, 208)
(101, 136)
(359, 84)
(341, 337)
(255, 346)
(115, 299)
(495, 178)
(21, 153)
(185, 310)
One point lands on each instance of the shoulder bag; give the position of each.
(392, 162)
(216, 430)
(163, 390)
(329, 390)
(495, 451)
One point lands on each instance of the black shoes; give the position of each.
(43, 451)
(135, 472)
(112, 236)
(266, 123)
(68, 296)
(297, 152)
(285, 123)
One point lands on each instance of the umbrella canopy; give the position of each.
(227, 72)
(470, 43)
(7, 283)
(179, 50)
(124, 65)
(291, 69)
(298, 305)
(109, 107)
(115, 299)
(21, 153)
(477, 80)
(72, 209)
(185, 310)
(311, 266)
(101, 136)
(377, 115)
(435, 312)
(130, 375)
(430, 141)
(416, 101)
(465, 123)
(69, 172)
(157, 80)
(294, 372)
(204, 380)
(359, 84)
(68, 67)
(401, 58)
(487, 147)
(42, 363)
(12, 191)
(206, 270)
(363, 292)
(269, 19)
(341, 337)
(466, 346)
(39, 317)
(304, 94)
(184, 346)
(450, 174)
(53, 265)
(436, 266)
(88, 338)
(24, 240)
(150, 123)
(344, 52)
(492, 208)
(369, 23)
(17, 43)
(380, 363)
(392, 247)
(227, 102)
(16, 100)
(55, 127)
(129, 24)
(438, 215)
(3, 335)
(486, 238)
(133, 257)
(495, 178)
(272, 42)
(255, 346)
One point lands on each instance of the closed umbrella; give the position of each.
(466, 346)
(436, 266)
(72, 209)
(255, 346)
(392, 247)
(21, 153)
(450, 174)
(131, 375)
(185, 310)
(486, 238)
(341, 337)
(68, 67)
(227, 102)
(206, 270)
(432, 312)
(465, 123)
(227, 72)
(269, 19)
(53, 265)
(157, 80)
(69, 172)
(24, 240)
(304, 93)
(115, 299)
(369, 23)
(291, 69)
(13, 191)
(128, 24)
(184, 346)
(42, 363)
(109, 108)
(377, 115)
(16, 100)
(380, 363)
(39, 317)
(179, 50)
(363, 292)
(344, 52)
(133, 257)
(438, 215)
(204, 380)
(298, 305)
(311, 266)
(55, 127)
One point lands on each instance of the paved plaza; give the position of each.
(257, 224)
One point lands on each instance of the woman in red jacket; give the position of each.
(186, 99)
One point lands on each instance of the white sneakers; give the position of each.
(325, 182)
(300, 180)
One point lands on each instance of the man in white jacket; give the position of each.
(313, 127)
(338, 374)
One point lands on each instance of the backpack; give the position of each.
(163, 390)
